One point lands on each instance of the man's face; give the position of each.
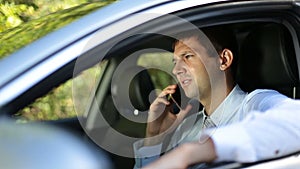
(189, 68)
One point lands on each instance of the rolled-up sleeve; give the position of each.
(262, 135)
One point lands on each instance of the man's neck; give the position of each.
(217, 96)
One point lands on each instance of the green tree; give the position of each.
(17, 37)
(42, 20)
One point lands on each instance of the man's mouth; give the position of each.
(185, 82)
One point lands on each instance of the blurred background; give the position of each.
(24, 21)
(39, 145)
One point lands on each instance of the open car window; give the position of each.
(58, 104)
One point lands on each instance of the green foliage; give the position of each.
(17, 37)
(160, 76)
(12, 15)
(16, 12)
(20, 16)
(57, 104)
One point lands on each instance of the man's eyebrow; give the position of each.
(184, 53)
(180, 55)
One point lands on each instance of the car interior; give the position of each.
(268, 58)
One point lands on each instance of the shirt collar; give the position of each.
(228, 107)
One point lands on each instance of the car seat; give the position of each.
(268, 60)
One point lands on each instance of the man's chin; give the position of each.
(191, 95)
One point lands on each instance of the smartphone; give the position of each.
(178, 100)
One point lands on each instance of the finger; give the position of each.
(184, 112)
(170, 87)
(159, 105)
(168, 90)
(160, 100)
(174, 86)
(165, 92)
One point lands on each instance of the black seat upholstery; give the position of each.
(268, 60)
(130, 89)
(133, 87)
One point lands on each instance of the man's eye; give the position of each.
(187, 56)
(174, 62)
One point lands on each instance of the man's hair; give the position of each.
(220, 37)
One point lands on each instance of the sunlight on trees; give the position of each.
(22, 22)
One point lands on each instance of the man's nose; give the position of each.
(179, 68)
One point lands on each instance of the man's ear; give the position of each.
(226, 58)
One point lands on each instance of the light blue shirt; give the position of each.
(234, 108)
(270, 130)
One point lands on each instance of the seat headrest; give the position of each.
(139, 90)
(267, 59)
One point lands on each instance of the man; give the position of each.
(205, 68)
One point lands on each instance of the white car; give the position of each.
(118, 55)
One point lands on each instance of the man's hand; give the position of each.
(186, 155)
(161, 118)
